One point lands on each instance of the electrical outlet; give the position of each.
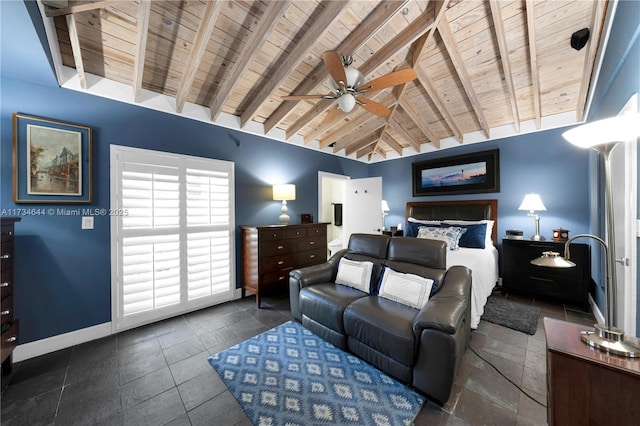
(87, 222)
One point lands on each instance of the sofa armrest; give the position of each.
(447, 310)
(310, 275)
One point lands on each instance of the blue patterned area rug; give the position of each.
(289, 376)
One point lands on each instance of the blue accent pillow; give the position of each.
(475, 237)
(411, 230)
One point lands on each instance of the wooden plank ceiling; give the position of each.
(480, 64)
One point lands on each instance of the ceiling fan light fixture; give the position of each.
(347, 102)
(354, 77)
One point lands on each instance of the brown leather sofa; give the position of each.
(422, 348)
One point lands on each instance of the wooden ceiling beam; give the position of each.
(533, 61)
(347, 128)
(275, 11)
(391, 142)
(364, 142)
(52, 12)
(371, 136)
(75, 48)
(499, 30)
(461, 70)
(144, 11)
(417, 118)
(208, 22)
(358, 37)
(322, 23)
(401, 41)
(401, 131)
(599, 10)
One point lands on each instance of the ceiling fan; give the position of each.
(348, 85)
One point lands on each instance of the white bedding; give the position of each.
(484, 275)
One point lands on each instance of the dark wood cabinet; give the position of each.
(270, 252)
(586, 386)
(568, 285)
(9, 322)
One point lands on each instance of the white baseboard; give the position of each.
(596, 310)
(61, 341)
(66, 340)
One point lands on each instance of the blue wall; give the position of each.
(540, 162)
(63, 271)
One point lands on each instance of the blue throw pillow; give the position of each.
(475, 237)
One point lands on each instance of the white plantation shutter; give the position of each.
(172, 248)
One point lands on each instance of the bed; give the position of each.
(483, 262)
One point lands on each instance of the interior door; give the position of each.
(362, 207)
(624, 176)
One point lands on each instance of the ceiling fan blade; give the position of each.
(374, 107)
(301, 97)
(389, 80)
(333, 62)
(333, 114)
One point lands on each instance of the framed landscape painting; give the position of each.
(51, 161)
(462, 174)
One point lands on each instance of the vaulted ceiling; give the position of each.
(483, 67)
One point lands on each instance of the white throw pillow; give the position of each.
(355, 274)
(450, 235)
(408, 289)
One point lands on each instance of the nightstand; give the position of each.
(569, 285)
(394, 233)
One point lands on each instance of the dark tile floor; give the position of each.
(159, 374)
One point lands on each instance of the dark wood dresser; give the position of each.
(270, 252)
(586, 386)
(570, 285)
(9, 323)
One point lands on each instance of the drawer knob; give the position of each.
(5, 256)
(312, 256)
(311, 243)
(12, 339)
(280, 278)
(280, 262)
(280, 247)
(5, 312)
(5, 284)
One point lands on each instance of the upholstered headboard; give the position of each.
(460, 210)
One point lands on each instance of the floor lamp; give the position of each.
(603, 136)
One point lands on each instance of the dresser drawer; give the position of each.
(6, 309)
(272, 234)
(317, 230)
(276, 279)
(296, 233)
(6, 281)
(9, 341)
(278, 262)
(272, 248)
(6, 254)
(312, 257)
(310, 243)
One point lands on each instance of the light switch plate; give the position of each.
(87, 222)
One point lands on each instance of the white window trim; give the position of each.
(120, 323)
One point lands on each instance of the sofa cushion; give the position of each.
(355, 274)
(384, 326)
(325, 303)
(409, 289)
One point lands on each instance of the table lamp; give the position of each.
(284, 193)
(533, 203)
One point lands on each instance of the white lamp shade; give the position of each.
(346, 102)
(621, 128)
(385, 206)
(355, 79)
(532, 202)
(284, 192)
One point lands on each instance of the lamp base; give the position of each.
(284, 217)
(610, 340)
(537, 238)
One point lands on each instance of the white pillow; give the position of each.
(426, 222)
(355, 274)
(488, 240)
(450, 235)
(408, 289)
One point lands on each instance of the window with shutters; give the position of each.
(173, 239)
